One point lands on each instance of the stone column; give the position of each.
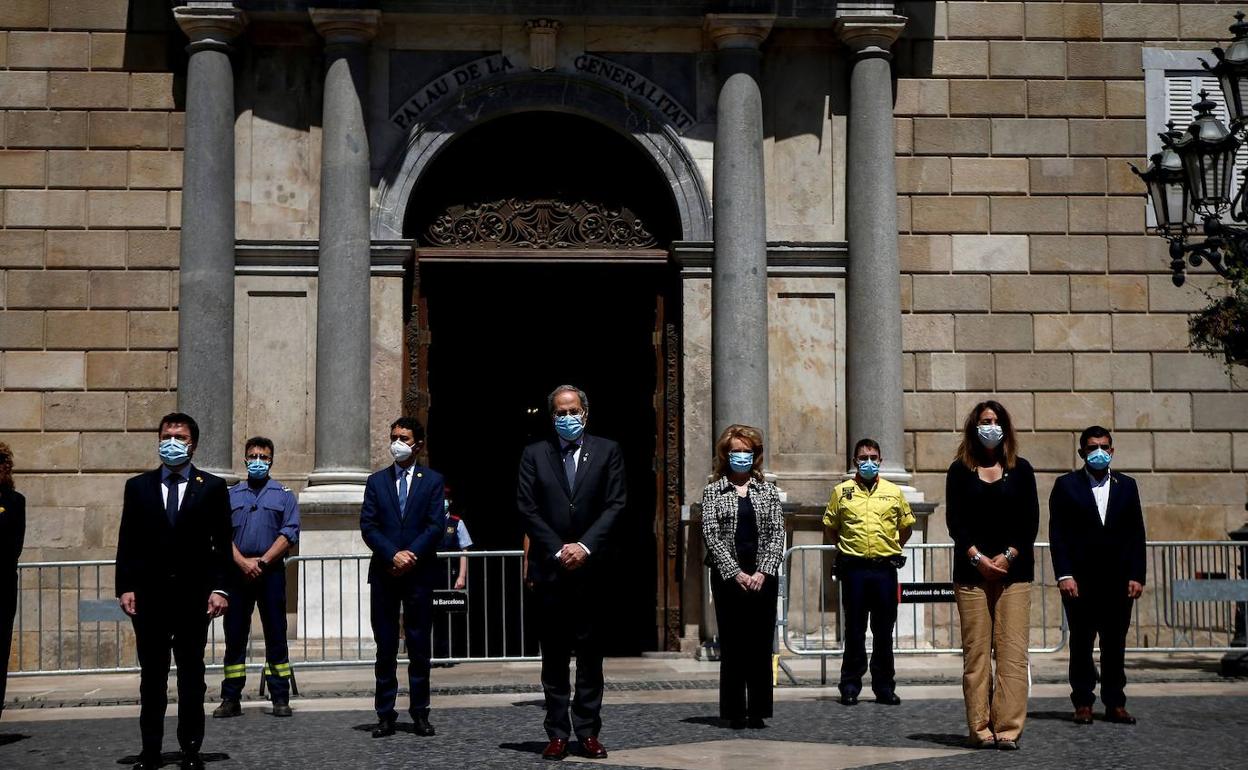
(206, 262)
(343, 348)
(873, 301)
(739, 376)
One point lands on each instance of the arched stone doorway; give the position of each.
(541, 257)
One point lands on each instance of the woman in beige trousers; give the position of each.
(993, 514)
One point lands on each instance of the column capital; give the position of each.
(870, 34)
(738, 30)
(210, 26)
(345, 26)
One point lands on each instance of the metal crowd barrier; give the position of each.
(1189, 605)
(68, 620)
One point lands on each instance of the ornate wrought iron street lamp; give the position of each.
(1191, 178)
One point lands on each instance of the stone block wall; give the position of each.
(1027, 271)
(90, 175)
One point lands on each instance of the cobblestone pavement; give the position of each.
(1207, 732)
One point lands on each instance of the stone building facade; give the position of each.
(321, 215)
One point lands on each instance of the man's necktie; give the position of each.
(402, 493)
(171, 499)
(569, 464)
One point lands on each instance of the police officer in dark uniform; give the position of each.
(455, 537)
(266, 525)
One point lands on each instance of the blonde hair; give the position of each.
(752, 435)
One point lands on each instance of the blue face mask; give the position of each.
(257, 469)
(174, 452)
(868, 469)
(740, 462)
(1098, 459)
(569, 426)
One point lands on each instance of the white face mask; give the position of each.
(401, 452)
(991, 435)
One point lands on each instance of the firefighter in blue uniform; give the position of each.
(455, 537)
(266, 525)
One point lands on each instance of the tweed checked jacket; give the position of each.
(719, 526)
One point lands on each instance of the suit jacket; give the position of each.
(554, 515)
(1081, 545)
(418, 529)
(192, 556)
(12, 533)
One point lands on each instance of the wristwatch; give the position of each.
(263, 564)
(1010, 556)
(975, 559)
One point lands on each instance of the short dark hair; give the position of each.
(262, 442)
(180, 418)
(412, 424)
(1094, 431)
(869, 443)
(550, 400)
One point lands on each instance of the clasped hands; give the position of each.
(402, 563)
(751, 582)
(571, 556)
(995, 568)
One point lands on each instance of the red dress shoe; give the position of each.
(1083, 715)
(1119, 715)
(592, 748)
(556, 750)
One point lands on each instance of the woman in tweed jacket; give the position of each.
(744, 534)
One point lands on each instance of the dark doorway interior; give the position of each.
(501, 337)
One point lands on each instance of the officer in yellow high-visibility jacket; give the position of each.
(869, 520)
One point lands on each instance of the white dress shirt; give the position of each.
(400, 472)
(1100, 493)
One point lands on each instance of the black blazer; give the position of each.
(12, 532)
(1084, 548)
(191, 557)
(554, 515)
(419, 530)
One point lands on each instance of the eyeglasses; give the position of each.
(569, 412)
(268, 458)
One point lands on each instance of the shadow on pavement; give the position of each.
(1056, 716)
(7, 738)
(709, 721)
(952, 740)
(528, 747)
(172, 758)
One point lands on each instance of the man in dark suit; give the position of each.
(401, 521)
(1096, 528)
(173, 551)
(570, 492)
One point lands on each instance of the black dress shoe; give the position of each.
(737, 724)
(556, 750)
(192, 762)
(227, 709)
(888, 699)
(848, 700)
(147, 762)
(384, 728)
(756, 723)
(591, 747)
(421, 726)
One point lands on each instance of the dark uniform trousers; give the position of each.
(747, 629)
(1103, 609)
(567, 608)
(171, 617)
(868, 592)
(8, 609)
(268, 591)
(411, 594)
